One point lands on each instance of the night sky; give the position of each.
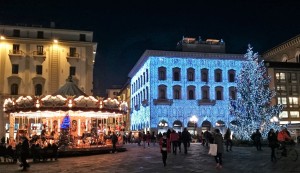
(124, 30)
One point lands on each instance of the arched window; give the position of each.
(218, 75)
(219, 93)
(176, 92)
(191, 74)
(231, 75)
(176, 74)
(38, 90)
(205, 92)
(162, 92)
(162, 73)
(204, 75)
(191, 92)
(14, 89)
(232, 93)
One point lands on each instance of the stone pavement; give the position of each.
(148, 160)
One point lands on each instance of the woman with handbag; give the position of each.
(218, 139)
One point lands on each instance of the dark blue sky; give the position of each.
(124, 30)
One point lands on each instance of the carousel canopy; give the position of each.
(70, 89)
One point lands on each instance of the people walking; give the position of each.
(272, 138)
(256, 137)
(228, 140)
(218, 139)
(185, 136)
(164, 148)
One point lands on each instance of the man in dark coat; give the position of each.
(114, 140)
(24, 153)
(185, 137)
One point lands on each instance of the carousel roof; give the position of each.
(70, 89)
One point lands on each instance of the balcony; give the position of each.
(137, 107)
(163, 101)
(15, 55)
(72, 57)
(39, 56)
(206, 102)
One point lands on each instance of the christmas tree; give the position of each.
(64, 138)
(252, 109)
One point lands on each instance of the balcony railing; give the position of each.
(73, 55)
(145, 103)
(16, 52)
(206, 102)
(137, 107)
(39, 53)
(163, 101)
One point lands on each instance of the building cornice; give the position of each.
(291, 42)
(179, 54)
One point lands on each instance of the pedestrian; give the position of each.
(24, 153)
(174, 139)
(218, 139)
(272, 138)
(164, 148)
(179, 141)
(153, 138)
(228, 140)
(185, 139)
(148, 138)
(114, 140)
(256, 137)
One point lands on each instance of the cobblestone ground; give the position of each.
(148, 160)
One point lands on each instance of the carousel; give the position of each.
(68, 117)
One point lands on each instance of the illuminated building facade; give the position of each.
(175, 89)
(36, 61)
(283, 62)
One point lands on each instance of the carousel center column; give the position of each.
(11, 126)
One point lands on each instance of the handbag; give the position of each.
(213, 149)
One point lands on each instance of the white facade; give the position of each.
(37, 61)
(168, 88)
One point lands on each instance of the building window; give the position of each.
(283, 114)
(191, 74)
(39, 69)
(72, 71)
(176, 92)
(147, 75)
(204, 75)
(219, 93)
(40, 34)
(218, 75)
(292, 77)
(191, 92)
(294, 114)
(40, 49)
(16, 33)
(293, 102)
(176, 74)
(38, 89)
(15, 69)
(72, 52)
(281, 89)
(282, 100)
(205, 93)
(280, 77)
(162, 73)
(293, 90)
(14, 89)
(162, 92)
(16, 49)
(147, 93)
(232, 93)
(231, 75)
(144, 76)
(82, 37)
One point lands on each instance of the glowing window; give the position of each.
(294, 114)
(283, 114)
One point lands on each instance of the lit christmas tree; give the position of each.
(252, 109)
(64, 138)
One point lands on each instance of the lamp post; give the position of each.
(194, 119)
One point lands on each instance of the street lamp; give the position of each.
(194, 119)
